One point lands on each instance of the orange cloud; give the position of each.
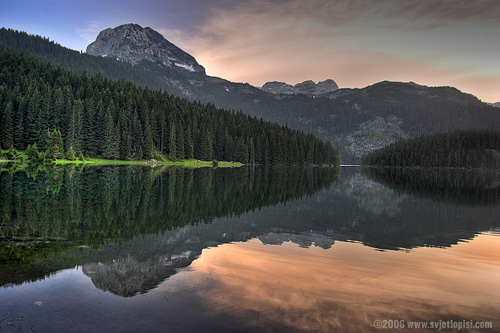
(356, 43)
(349, 286)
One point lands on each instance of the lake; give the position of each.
(127, 249)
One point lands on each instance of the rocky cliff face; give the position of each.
(308, 88)
(134, 44)
(356, 121)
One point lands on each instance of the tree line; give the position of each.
(98, 117)
(94, 205)
(422, 110)
(465, 149)
(455, 186)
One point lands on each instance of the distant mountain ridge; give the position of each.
(308, 88)
(497, 104)
(133, 43)
(357, 121)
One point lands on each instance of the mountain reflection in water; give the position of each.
(281, 249)
(348, 286)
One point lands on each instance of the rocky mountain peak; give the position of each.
(308, 88)
(134, 44)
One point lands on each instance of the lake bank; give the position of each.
(191, 163)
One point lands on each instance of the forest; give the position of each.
(418, 109)
(450, 185)
(98, 117)
(458, 149)
(114, 204)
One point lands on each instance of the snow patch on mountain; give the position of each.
(188, 67)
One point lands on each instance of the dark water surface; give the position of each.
(121, 249)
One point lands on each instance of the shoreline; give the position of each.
(192, 163)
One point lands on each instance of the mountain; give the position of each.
(497, 104)
(356, 121)
(308, 88)
(98, 117)
(134, 44)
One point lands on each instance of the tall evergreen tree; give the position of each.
(180, 142)
(7, 126)
(19, 124)
(74, 127)
(241, 151)
(188, 145)
(172, 144)
(55, 148)
(148, 143)
(32, 131)
(110, 141)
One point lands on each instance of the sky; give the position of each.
(354, 42)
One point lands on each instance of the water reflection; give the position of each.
(349, 286)
(57, 213)
(464, 186)
(289, 249)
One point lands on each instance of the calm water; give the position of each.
(120, 249)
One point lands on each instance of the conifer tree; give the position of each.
(74, 127)
(172, 144)
(109, 148)
(188, 145)
(180, 142)
(7, 126)
(55, 148)
(148, 143)
(19, 124)
(70, 154)
(241, 151)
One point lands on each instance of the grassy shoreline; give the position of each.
(191, 163)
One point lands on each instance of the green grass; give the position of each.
(181, 163)
(192, 163)
(2, 155)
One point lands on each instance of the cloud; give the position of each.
(351, 286)
(354, 42)
(449, 11)
(90, 32)
(485, 86)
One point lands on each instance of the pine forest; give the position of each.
(98, 117)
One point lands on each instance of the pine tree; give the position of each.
(188, 145)
(89, 125)
(148, 143)
(7, 126)
(172, 144)
(70, 154)
(55, 148)
(180, 142)
(74, 137)
(32, 126)
(110, 142)
(19, 124)
(99, 130)
(241, 151)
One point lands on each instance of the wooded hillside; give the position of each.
(466, 149)
(118, 120)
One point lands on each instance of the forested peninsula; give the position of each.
(458, 149)
(98, 117)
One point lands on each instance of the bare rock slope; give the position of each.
(134, 44)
